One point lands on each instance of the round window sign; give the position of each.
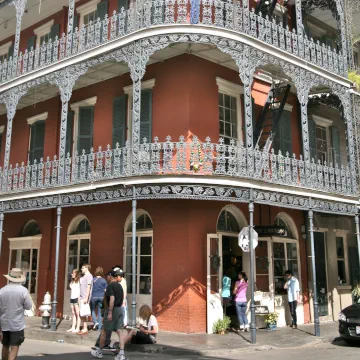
(244, 241)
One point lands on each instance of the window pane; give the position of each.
(221, 99)
(145, 284)
(293, 266)
(291, 251)
(279, 285)
(279, 267)
(222, 128)
(73, 247)
(34, 259)
(145, 246)
(227, 101)
(129, 264)
(15, 259)
(279, 251)
(341, 271)
(33, 282)
(83, 260)
(221, 113)
(129, 246)
(145, 265)
(262, 283)
(25, 259)
(129, 283)
(72, 264)
(340, 247)
(84, 247)
(227, 115)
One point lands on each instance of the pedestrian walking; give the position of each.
(124, 287)
(74, 301)
(97, 297)
(85, 295)
(293, 290)
(240, 300)
(113, 317)
(14, 300)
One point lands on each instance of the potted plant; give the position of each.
(221, 325)
(271, 321)
(356, 294)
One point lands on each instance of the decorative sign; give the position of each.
(261, 310)
(271, 230)
(244, 241)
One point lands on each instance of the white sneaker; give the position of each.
(247, 327)
(97, 353)
(119, 357)
(242, 327)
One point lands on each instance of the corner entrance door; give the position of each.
(214, 301)
(321, 273)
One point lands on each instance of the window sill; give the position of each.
(344, 287)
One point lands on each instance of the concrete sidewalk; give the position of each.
(199, 344)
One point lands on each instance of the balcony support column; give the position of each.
(10, 99)
(357, 234)
(57, 254)
(312, 255)
(19, 8)
(340, 6)
(70, 26)
(137, 72)
(299, 26)
(1, 226)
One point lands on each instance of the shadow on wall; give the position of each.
(189, 284)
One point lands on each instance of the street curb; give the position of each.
(46, 335)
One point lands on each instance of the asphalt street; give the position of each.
(32, 349)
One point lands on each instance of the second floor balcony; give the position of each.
(232, 18)
(179, 158)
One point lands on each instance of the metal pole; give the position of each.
(1, 230)
(316, 303)
(252, 263)
(133, 303)
(357, 233)
(54, 302)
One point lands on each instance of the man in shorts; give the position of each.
(85, 295)
(14, 300)
(113, 317)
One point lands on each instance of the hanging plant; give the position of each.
(196, 160)
(216, 262)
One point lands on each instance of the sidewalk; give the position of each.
(199, 344)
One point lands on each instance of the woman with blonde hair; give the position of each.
(149, 328)
(74, 301)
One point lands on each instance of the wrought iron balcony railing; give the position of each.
(179, 158)
(142, 14)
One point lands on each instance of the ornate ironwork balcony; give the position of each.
(150, 13)
(190, 157)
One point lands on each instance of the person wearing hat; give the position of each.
(113, 317)
(14, 300)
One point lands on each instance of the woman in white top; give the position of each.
(74, 301)
(148, 331)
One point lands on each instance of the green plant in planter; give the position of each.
(271, 319)
(356, 294)
(221, 325)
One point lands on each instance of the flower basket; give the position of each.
(271, 321)
(356, 294)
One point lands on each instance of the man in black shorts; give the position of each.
(113, 317)
(14, 300)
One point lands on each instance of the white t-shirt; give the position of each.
(75, 290)
(152, 323)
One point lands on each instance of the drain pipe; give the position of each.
(133, 258)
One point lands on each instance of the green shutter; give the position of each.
(11, 51)
(123, 4)
(119, 121)
(102, 9)
(285, 125)
(276, 144)
(312, 138)
(55, 31)
(335, 140)
(69, 133)
(75, 22)
(85, 129)
(146, 116)
(37, 138)
(31, 43)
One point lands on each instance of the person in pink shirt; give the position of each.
(240, 300)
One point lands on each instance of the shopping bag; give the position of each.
(84, 310)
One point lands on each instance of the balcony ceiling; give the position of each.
(35, 13)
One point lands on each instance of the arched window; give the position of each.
(83, 227)
(143, 222)
(280, 222)
(31, 228)
(228, 222)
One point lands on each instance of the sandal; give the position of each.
(70, 330)
(82, 332)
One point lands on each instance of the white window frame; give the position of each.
(2, 129)
(75, 107)
(343, 234)
(86, 9)
(32, 120)
(234, 90)
(326, 123)
(128, 90)
(4, 49)
(27, 243)
(42, 31)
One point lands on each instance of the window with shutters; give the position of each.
(43, 33)
(282, 137)
(145, 112)
(37, 137)
(229, 106)
(90, 11)
(4, 51)
(81, 123)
